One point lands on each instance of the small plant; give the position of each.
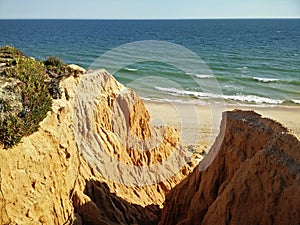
(56, 69)
(53, 61)
(11, 131)
(4, 106)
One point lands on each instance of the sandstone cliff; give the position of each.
(96, 159)
(254, 178)
(46, 180)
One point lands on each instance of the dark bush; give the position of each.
(53, 61)
(36, 99)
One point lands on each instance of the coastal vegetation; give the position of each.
(27, 88)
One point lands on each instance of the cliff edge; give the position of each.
(45, 179)
(254, 178)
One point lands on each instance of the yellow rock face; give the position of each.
(45, 176)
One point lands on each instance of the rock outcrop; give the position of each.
(111, 117)
(46, 180)
(11, 95)
(254, 178)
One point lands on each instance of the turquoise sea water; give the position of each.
(255, 62)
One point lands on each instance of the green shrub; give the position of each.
(36, 99)
(53, 61)
(11, 131)
(10, 51)
(57, 69)
(40, 84)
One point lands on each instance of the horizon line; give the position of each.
(208, 18)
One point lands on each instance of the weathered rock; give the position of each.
(10, 94)
(254, 178)
(76, 67)
(120, 123)
(38, 175)
(44, 180)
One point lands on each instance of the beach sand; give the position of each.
(199, 125)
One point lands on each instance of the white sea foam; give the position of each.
(297, 101)
(265, 79)
(253, 98)
(130, 69)
(204, 76)
(201, 95)
(178, 92)
(201, 76)
(243, 68)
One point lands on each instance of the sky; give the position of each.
(148, 9)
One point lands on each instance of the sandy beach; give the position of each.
(199, 125)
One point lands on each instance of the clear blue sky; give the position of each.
(148, 9)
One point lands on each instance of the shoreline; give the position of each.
(227, 104)
(199, 124)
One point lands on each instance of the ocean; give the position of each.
(250, 61)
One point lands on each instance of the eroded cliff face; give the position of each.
(38, 174)
(250, 176)
(46, 180)
(254, 178)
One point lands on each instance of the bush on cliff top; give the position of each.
(36, 99)
(53, 61)
(39, 84)
(57, 69)
(11, 52)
